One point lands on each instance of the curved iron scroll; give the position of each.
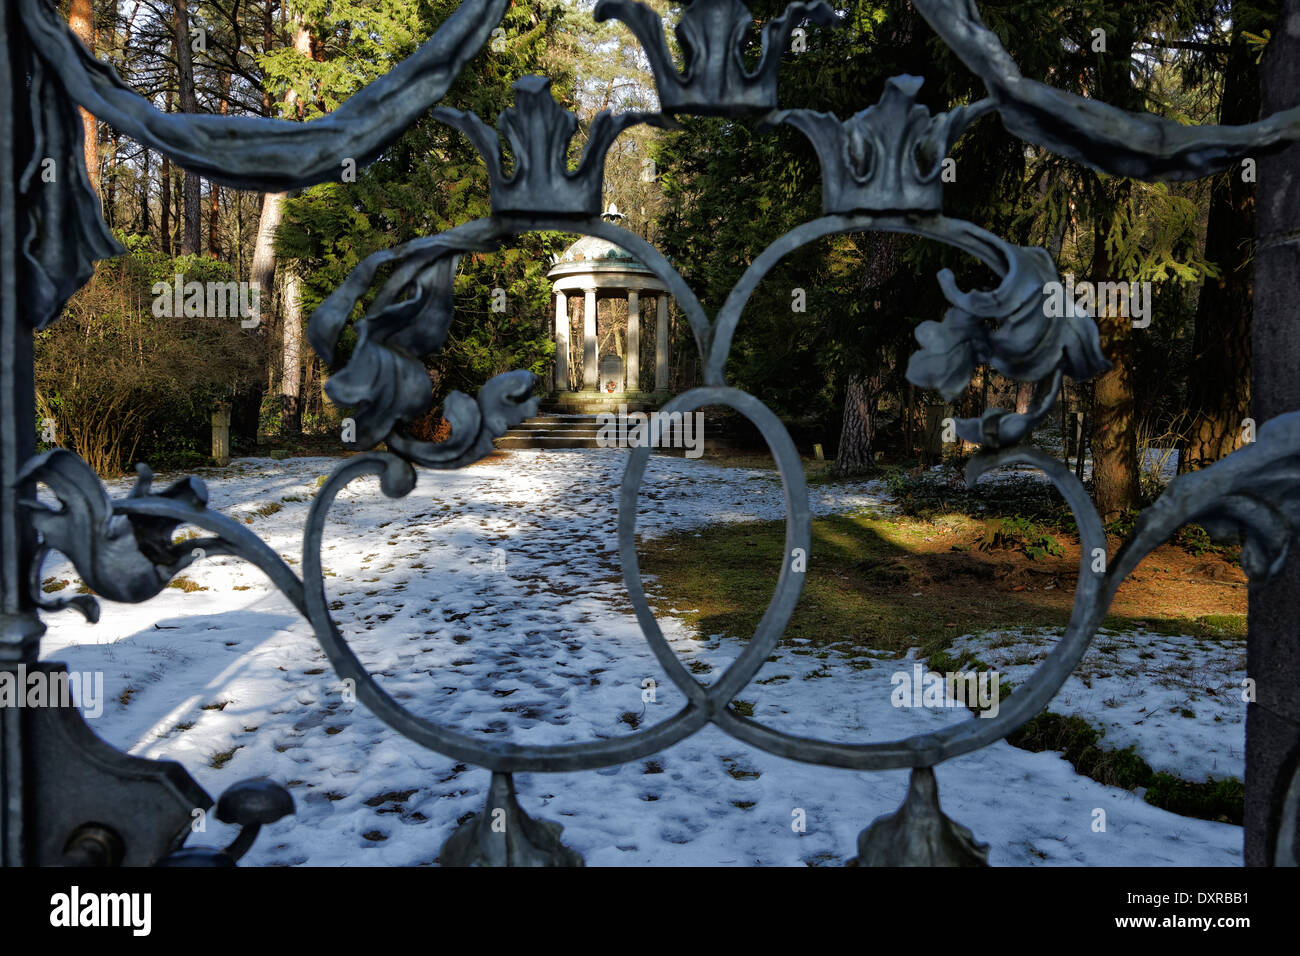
(872, 181)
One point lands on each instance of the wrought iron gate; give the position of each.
(69, 797)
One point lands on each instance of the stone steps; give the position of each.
(571, 430)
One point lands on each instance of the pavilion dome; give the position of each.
(593, 252)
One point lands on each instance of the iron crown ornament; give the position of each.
(887, 158)
(714, 80)
(539, 130)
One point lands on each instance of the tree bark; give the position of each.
(291, 358)
(856, 454)
(1114, 432)
(192, 242)
(214, 191)
(165, 202)
(1024, 394)
(264, 271)
(1218, 388)
(81, 20)
(1273, 646)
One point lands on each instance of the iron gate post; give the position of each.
(20, 628)
(1273, 642)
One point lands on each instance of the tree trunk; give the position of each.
(165, 212)
(143, 222)
(192, 243)
(291, 359)
(81, 20)
(1218, 388)
(1024, 394)
(856, 452)
(214, 191)
(291, 311)
(262, 270)
(1273, 647)
(1114, 432)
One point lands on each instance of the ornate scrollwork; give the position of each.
(871, 180)
(120, 557)
(123, 548)
(1010, 329)
(1138, 145)
(66, 231)
(1254, 492)
(503, 835)
(385, 379)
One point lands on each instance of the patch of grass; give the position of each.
(889, 583)
(50, 585)
(743, 707)
(1220, 800)
(221, 759)
(268, 509)
(863, 573)
(1222, 625)
(1080, 743)
(393, 796)
(185, 584)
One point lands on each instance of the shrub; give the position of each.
(116, 379)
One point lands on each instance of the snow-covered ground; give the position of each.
(1176, 699)
(490, 599)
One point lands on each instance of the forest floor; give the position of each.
(490, 600)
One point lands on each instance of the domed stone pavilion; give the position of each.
(598, 269)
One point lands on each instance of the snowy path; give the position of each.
(490, 599)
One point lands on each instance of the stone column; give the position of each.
(632, 368)
(661, 345)
(561, 341)
(590, 366)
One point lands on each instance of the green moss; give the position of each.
(1080, 743)
(1221, 800)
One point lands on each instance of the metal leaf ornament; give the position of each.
(385, 380)
(1251, 492)
(1026, 343)
(126, 558)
